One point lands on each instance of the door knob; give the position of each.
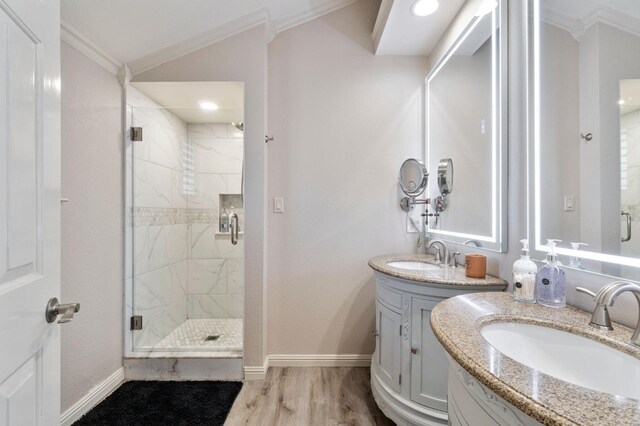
(67, 310)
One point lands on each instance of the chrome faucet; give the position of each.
(440, 257)
(605, 298)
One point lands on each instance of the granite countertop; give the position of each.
(448, 276)
(456, 323)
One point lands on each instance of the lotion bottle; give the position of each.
(524, 276)
(550, 290)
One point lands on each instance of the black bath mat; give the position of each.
(146, 403)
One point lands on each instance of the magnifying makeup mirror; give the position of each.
(413, 177)
(445, 176)
(413, 181)
(445, 184)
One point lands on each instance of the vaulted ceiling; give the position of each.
(131, 29)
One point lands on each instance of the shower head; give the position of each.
(239, 126)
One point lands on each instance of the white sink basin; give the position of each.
(568, 357)
(416, 266)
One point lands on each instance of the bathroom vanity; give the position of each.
(520, 364)
(409, 366)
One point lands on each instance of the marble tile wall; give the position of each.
(160, 228)
(215, 266)
(181, 268)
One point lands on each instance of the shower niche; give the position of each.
(185, 278)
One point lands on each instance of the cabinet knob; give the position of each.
(414, 351)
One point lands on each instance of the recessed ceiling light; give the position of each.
(424, 7)
(621, 102)
(208, 105)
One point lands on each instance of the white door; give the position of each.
(29, 211)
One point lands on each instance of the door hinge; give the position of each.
(136, 134)
(400, 380)
(401, 329)
(136, 322)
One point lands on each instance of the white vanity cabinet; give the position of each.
(472, 403)
(409, 369)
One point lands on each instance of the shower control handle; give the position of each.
(234, 229)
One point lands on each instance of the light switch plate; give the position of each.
(569, 203)
(278, 205)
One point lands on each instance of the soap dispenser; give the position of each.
(524, 276)
(550, 279)
(575, 261)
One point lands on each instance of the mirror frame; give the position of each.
(497, 241)
(538, 249)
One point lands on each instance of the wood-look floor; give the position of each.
(308, 396)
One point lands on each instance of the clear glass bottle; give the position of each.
(524, 276)
(550, 289)
(224, 221)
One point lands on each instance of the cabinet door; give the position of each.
(429, 363)
(389, 344)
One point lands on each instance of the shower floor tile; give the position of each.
(193, 334)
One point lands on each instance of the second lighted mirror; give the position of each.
(465, 94)
(586, 133)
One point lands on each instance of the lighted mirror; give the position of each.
(585, 132)
(465, 95)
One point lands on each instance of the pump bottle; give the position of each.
(550, 289)
(524, 276)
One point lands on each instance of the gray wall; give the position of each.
(344, 121)
(92, 226)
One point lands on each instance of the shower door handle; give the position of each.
(628, 216)
(234, 229)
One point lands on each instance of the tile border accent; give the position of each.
(154, 216)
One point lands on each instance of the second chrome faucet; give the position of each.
(605, 298)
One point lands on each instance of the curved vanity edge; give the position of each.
(456, 323)
(454, 277)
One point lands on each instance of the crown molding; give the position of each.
(614, 18)
(603, 14)
(309, 14)
(199, 41)
(381, 22)
(82, 44)
(260, 17)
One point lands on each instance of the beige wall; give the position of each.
(91, 224)
(343, 121)
(240, 58)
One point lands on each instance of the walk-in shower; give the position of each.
(185, 278)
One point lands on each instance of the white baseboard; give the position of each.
(313, 360)
(320, 360)
(92, 398)
(256, 373)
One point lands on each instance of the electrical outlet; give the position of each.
(414, 214)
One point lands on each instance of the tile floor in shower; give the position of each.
(199, 335)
